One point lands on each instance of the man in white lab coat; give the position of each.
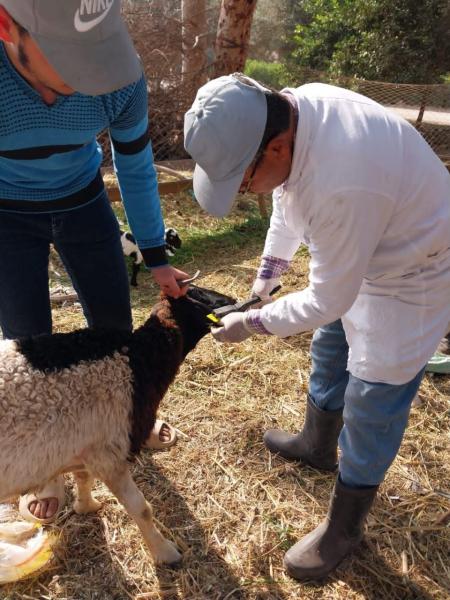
(369, 197)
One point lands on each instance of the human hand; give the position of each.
(262, 288)
(268, 278)
(233, 328)
(167, 278)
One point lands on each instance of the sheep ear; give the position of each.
(209, 298)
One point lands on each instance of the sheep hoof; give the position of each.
(168, 555)
(82, 508)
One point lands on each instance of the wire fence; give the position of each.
(427, 107)
(156, 27)
(159, 34)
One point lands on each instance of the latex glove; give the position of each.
(233, 329)
(262, 288)
(268, 277)
(166, 277)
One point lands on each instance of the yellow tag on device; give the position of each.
(212, 317)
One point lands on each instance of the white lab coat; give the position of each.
(372, 201)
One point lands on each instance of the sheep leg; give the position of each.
(84, 502)
(133, 280)
(128, 494)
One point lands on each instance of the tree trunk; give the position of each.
(194, 38)
(233, 35)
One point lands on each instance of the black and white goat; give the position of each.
(86, 401)
(130, 248)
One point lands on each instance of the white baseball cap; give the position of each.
(223, 130)
(85, 41)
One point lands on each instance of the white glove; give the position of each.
(268, 278)
(262, 288)
(233, 329)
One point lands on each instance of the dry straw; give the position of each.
(231, 507)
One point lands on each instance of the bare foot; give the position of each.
(164, 433)
(44, 508)
(45, 504)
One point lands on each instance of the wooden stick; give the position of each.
(59, 298)
(169, 171)
(164, 187)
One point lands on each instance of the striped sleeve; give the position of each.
(136, 174)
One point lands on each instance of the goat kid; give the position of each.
(130, 248)
(86, 401)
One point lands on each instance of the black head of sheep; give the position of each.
(190, 313)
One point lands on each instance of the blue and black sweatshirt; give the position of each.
(50, 159)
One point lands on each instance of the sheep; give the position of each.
(85, 402)
(173, 241)
(130, 248)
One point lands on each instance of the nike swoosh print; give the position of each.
(83, 26)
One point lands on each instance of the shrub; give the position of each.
(272, 74)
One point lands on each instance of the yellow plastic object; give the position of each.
(212, 317)
(17, 531)
(18, 561)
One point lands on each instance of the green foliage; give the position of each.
(272, 28)
(273, 74)
(225, 236)
(391, 40)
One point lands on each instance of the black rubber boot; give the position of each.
(315, 444)
(319, 552)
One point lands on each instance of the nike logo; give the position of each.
(90, 7)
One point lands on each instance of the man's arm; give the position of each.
(136, 174)
(280, 246)
(343, 238)
(281, 241)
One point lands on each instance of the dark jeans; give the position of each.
(88, 241)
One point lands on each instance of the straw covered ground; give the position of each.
(231, 507)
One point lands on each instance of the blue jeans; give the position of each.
(375, 414)
(88, 242)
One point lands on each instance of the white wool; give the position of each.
(74, 410)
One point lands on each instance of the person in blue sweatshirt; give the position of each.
(68, 71)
